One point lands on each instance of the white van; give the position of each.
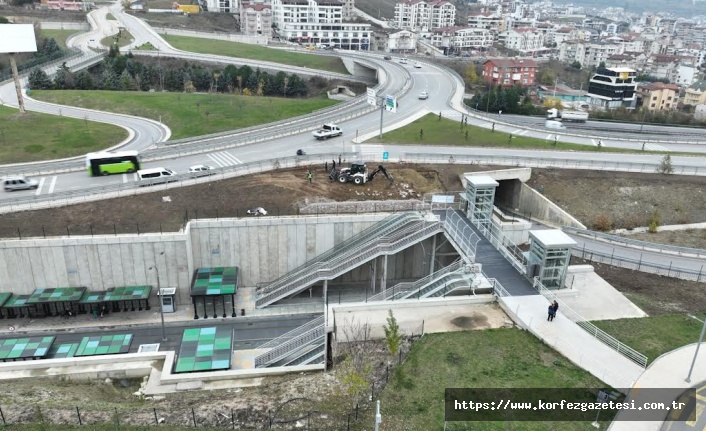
(156, 176)
(550, 124)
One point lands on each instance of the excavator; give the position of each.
(357, 174)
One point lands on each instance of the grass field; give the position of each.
(146, 47)
(59, 36)
(448, 132)
(189, 114)
(654, 336)
(33, 136)
(110, 17)
(255, 52)
(494, 358)
(124, 40)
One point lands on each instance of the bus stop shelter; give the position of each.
(214, 284)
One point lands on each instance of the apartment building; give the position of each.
(510, 72)
(589, 54)
(255, 19)
(418, 15)
(318, 21)
(461, 38)
(487, 21)
(226, 6)
(524, 40)
(395, 40)
(611, 88)
(656, 96)
(695, 94)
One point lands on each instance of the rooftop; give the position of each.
(552, 238)
(481, 180)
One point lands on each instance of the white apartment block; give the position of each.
(226, 6)
(418, 15)
(256, 19)
(318, 21)
(461, 38)
(486, 21)
(588, 54)
(525, 40)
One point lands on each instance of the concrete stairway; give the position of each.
(292, 349)
(397, 236)
(400, 290)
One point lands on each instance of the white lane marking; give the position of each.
(39, 187)
(52, 184)
(125, 178)
(593, 141)
(134, 176)
(522, 134)
(655, 147)
(228, 157)
(549, 136)
(514, 132)
(217, 160)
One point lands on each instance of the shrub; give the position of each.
(602, 223)
(654, 222)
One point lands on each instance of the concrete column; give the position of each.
(433, 255)
(326, 302)
(383, 279)
(373, 272)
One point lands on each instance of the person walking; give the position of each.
(334, 163)
(309, 176)
(555, 305)
(550, 313)
(326, 166)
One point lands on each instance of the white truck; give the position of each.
(327, 131)
(577, 116)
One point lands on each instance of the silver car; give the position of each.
(19, 182)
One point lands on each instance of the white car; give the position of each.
(403, 60)
(423, 95)
(259, 211)
(417, 65)
(201, 169)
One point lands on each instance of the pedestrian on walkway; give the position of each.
(334, 164)
(326, 166)
(339, 160)
(421, 133)
(555, 305)
(308, 176)
(493, 128)
(550, 313)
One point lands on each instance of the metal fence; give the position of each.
(590, 328)
(639, 265)
(643, 245)
(494, 234)
(461, 233)
(569, 161)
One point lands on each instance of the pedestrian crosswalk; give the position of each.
(224, 158)
(655, 147)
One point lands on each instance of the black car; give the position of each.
(387, 57)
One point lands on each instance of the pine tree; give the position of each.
(393, 338)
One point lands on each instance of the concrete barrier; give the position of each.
(540, 208)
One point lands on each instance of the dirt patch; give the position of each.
(202, 21)
(474, 321)
(628, 200)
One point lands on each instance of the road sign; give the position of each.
(385, 155)
(390, 104)
(372, 96)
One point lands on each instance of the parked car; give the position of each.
(423, 95)
(201, 170)
(403, 60)
(259, 211)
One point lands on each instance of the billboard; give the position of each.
(17, 38)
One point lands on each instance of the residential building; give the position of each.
(695, 94)
(524, 40)
(486, 21)
(455, 39)
(226, 6)
(418, 15)
(656, 96)
(256, 19)
(318, 21)
(611, 88)
(395, 40)
(510, 72)
(685, 75)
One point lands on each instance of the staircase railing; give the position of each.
(288, 347)
(360, 240)
(503, 244)
(461, 234)
(438, 284)
(329, 270)
(410, 286)
(293, 333)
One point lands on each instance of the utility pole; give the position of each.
(382, 111)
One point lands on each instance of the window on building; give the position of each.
(652, 106)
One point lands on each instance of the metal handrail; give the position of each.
(437, 284)
(498, 289)
(382, 247)
(463, 237)
(419, 283)
(637, 243)
(592, 329)
(293, 333)
(286, 348)
(363, 239)
(498, 240)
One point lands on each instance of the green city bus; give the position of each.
(106, 163)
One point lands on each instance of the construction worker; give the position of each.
(309, 176)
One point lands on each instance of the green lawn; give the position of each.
(33, 136)
(654, 336)
(256, 52)
(146, 47)
(110, 17)
(448, 132)
(125, 39)
(190, 114)
(59, 36)
(494, 358)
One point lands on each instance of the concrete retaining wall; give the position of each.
(52, 25)
(263, 248)
(532, 202)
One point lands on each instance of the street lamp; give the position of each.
(696, 353)
(159, 295)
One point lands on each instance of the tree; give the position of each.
(601, 65)
(84, 81)
(576, 64)
(547, 77)
(393, 338)
(63, 79)
(38, 80)
(665, 166)
(110, 80)
(355, 371)
(553, 102)
(4, 20)
(189, 87)
(126, 81)
(472, 74)
(126, 4)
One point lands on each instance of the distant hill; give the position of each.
(685, 8)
